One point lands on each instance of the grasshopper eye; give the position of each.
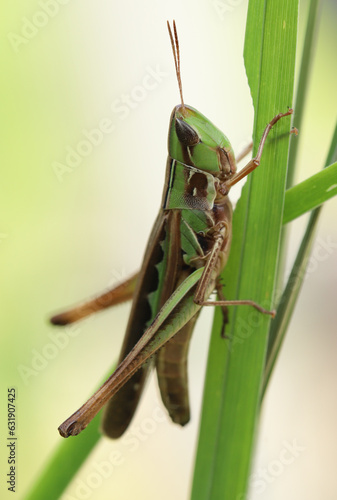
(186, 134)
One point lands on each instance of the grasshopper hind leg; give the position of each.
(120, 293)
(121, 408)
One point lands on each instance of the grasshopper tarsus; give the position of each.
(224, 335)
(72, 426)
(60, 320)
(68, 430)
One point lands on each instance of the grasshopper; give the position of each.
(187, 250)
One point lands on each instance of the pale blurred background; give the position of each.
(65, 237)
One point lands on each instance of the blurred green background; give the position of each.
(69, 231)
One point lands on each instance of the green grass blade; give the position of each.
(332, 154)
(293, 287)
(235, 368)
(301, 94)
(302, 85)
(310, 193)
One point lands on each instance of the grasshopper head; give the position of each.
(195, 141)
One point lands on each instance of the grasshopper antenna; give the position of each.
(176, 55)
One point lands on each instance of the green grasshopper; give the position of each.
(187, 250)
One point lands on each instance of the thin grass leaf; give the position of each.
(301, 93)
(293, 287)
(235, 368)
(278, 326)
(310, 193)
(302, 85)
